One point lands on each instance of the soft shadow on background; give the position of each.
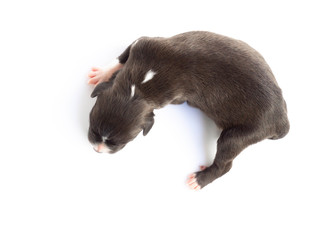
(85, 105)
(211, 134)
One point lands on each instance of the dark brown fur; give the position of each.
(225, 78)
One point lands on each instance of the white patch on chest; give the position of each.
(133, 90)
(148, 76)
(135, 43)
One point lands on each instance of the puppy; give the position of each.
(225, 78)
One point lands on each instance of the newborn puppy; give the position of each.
(225, 78)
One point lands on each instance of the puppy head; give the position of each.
(117, 117)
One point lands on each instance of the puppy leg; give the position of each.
(98, 74)
(230, 143)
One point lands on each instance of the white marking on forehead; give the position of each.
(104, 139)
(133, 90)
(148, 76)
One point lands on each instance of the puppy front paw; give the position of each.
(97, 75)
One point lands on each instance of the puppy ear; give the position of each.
(104, 85)
(148, 124)
(100, 88)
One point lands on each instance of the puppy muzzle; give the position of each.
(101, 148)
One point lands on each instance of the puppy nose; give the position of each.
(98, 148)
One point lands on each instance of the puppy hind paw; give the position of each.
(192, 182)
(202, 167)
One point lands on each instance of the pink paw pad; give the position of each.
(94, 71)
(202, 168)
(192, 183)
(96, 75)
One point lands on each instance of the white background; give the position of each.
(54, 186)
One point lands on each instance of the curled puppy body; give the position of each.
(225, 78)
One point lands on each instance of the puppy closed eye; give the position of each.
(94, 136)
(110, 142)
